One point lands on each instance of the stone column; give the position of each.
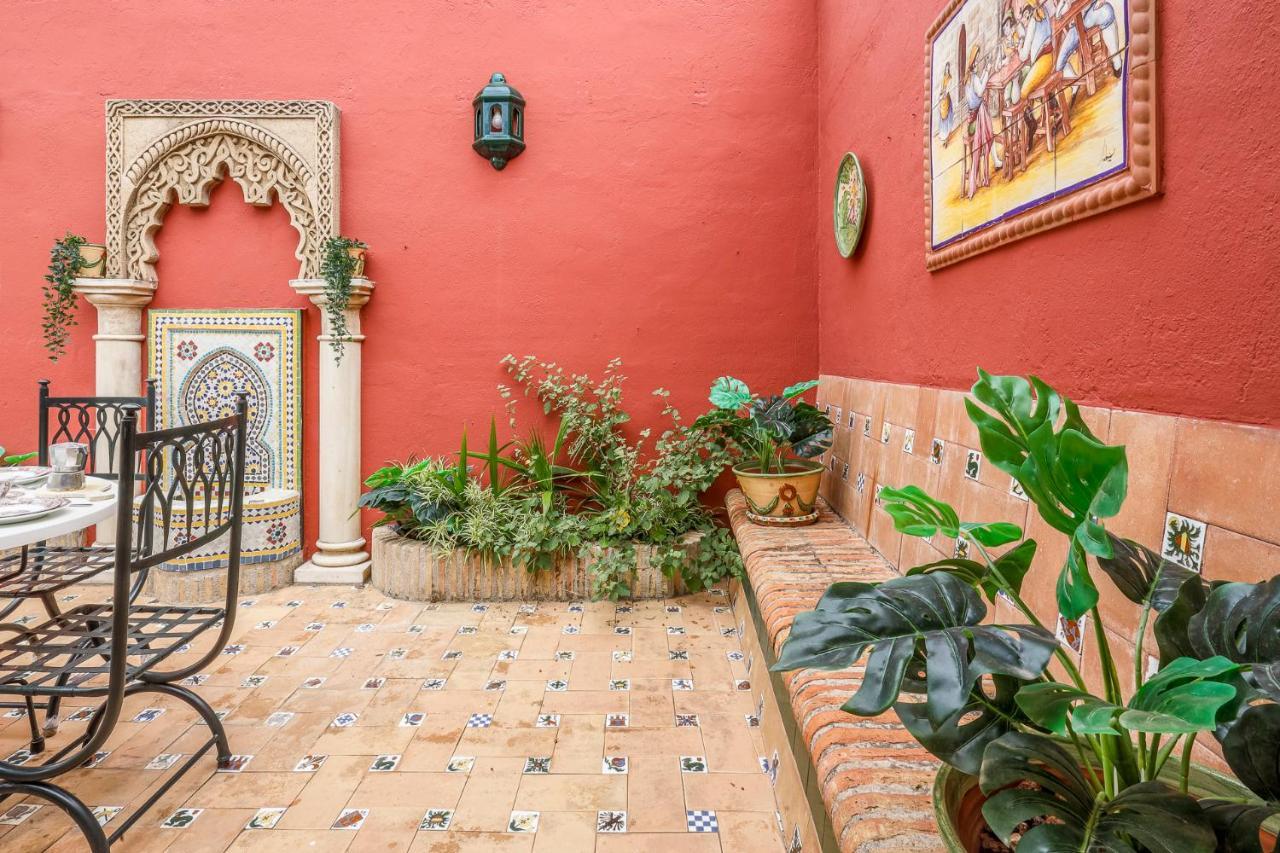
(340, 555)
(117, 346)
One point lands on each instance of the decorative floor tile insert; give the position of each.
(351, 819)
(266, 818)
(537, 765)
(436, 820)
(611, 821)
(1183, 541)
(701, 820)
(523, 822)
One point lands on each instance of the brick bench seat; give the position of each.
(843, 783)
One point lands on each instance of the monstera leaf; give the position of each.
(1012, 567)
(934, 619)
(1148, 817)
(793, 391)
(916, 513)
(961, 738)
(1074, 479)
(1240, 621)
(1237, 824)
(1143, 576)
(1252, 749)
(730, 394)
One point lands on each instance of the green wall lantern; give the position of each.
(499, 114)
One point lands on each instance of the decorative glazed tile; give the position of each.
(233, 649)
(434, 683)
(622, 609)
(468, 630)
(266, 818)
(495, 685)
(547, 721)
(96, 759)
(936, 451)
(414, 719)
(622, 631)
(313, 627)
(879, 489)
(693, 764)
(460, 764)
(398, 653)
(436, 820)
(1183, 541)
(104, 814)
(973, 465)
(753, 722)
(146, 715)
(509, 654)
(338, 605)
(479, 721)
(741, 684)
(384, 763)
(265, 625)
(343, 652)
(1015, 489)
(622, 657)
(523, 822)
(234, 763)
(886, 432)
(164, 761)
(350, 819)
(909, 441)
(613, 764)
(771, 768)
(180, 819)
(310, 763)
(673, 608)
(20, 757)
(345, 720)
(611, 821)
(253, 681)
(565, 656)
(701, 820)
(620, 684)
(735, 655)
(1070, 633)
(678, 654)
(384, 606)
(571, 630)
(853, 420)
(479, 608)
(682, 684)
(617, 721)
(576, 607)
(527, 609)
(537, 765)
(860, 483)
(962, 548)
(196, 680)
(866, 426)
(373, 683)
(557, 685)
(293, 603)
(844, 472)
(313, 682)
(684, 720)
(451, 654)
(416, 629)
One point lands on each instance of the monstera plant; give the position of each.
(1060, 767)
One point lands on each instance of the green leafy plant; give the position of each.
(65, 263)
(1063, 768)
(766, 431)
(338, 267)
(14, 459)
(592, 491)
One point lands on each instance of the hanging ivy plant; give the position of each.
(65, 264)
(338, 267)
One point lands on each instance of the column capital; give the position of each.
(313, 289)
(116, 292)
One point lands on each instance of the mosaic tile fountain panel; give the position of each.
(201, 359)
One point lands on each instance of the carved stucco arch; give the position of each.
(183, 167)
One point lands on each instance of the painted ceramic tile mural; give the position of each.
(1029, 103)
(202, 358)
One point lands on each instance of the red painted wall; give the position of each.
(1168, 305)
(662, 213)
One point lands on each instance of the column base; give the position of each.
(309, 572)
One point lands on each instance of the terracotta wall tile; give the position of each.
(1226, 474)
(1229, 556)
(952, 423)
(1149, 445)
(900, 404)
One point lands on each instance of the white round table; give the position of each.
(60, 522)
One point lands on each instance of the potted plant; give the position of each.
(1033, 756)
(70, 258)
(775, 439)
(342, 260)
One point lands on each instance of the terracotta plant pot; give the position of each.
(787, 499)
(957, 803)
(93, 258)
(358, 253)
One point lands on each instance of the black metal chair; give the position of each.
(41, 570)
(110, 651)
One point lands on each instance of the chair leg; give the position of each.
(81, 814)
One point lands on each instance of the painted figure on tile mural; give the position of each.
(981, 135)
(1100, 15)
(946, 110)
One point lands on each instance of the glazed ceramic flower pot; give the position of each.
(357, 252)
(788, 499)
(93, 261)
(957, 803)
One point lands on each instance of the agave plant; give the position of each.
(767, 430)
(1063, 768)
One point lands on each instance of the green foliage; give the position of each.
(1090, 765)
(765, 431)
(337, 267)
(15, 459)
(65, 263)
(592, 491)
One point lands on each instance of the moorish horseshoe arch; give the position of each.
(166, 152)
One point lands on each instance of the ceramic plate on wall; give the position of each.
(850, 206)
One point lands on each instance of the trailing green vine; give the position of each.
(338, 267)
(65, 263)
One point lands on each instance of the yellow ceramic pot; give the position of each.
(788, 499)
(357, 252)
(93, 261)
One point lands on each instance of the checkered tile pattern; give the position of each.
(701, 820)
(479, 721)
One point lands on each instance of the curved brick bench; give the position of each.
(843, 783)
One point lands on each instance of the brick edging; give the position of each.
(874, 781)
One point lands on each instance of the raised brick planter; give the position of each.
(843, 783)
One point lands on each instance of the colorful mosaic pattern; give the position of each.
(202, 358)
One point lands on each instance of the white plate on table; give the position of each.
(24, 475)
(26, 506)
